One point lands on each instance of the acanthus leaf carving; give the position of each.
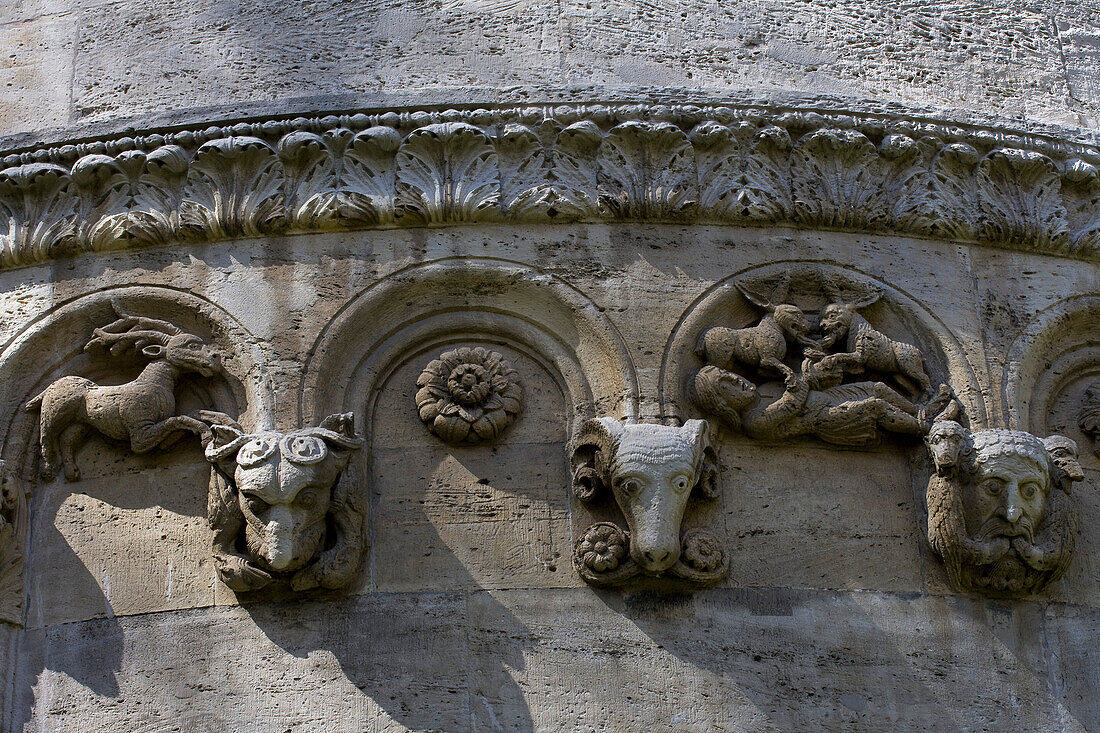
(646, 170)
(955, 191)
(340, 178)
(1020, 198)
(1081, 192)
(574, 192)
(448, 172)
(234, 188)
(523, 185)
(833, 178)
(744, 171)
(37, 207)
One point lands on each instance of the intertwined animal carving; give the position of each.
(999, 508)
(867, 347)
(142, 411)
(763, 346)
(650, 471)
(282, 506)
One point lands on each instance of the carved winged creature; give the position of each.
(142, 411)
(764, 346)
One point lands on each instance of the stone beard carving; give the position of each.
(820, 399)
(141, 412)
(1000, 512)
(469, 395)
(650, 471)
(282, 507)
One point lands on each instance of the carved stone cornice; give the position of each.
(740, 166)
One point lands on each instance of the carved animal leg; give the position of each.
(71, 439)
(772, 364)
(51, 452)
(148, 437)
(896, 420)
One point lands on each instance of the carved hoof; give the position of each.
(702, 559)
(602, 556)
(239, 574)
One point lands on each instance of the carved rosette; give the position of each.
(468, 395)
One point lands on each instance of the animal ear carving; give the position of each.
(707, 486)
(593, 451)
(651, 471)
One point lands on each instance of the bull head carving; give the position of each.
(281, 506)
(650, 471)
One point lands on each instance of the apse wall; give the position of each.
(495, 366)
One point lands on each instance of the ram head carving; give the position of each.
(651, 471)
(283, 507)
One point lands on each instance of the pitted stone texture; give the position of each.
(135, 57)
(571, 660)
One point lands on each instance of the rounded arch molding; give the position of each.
(52, 344)
(442, 301)
(900, 314)
(1058, 347)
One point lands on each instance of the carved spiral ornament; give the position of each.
(468, 395)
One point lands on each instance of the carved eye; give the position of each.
(993, 487)
(255, 504)
(306, 499)
(1028, 491)
(304, 449)
(680, 484)
(256, 450)
(630, 486)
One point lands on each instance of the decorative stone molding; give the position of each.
(141, 412)
(829, 396)
(742, 166)
(13, 534)
(282, 506)
(650, 471)
(469, 395)
(1000, 513)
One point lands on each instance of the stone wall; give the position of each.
(592, 205)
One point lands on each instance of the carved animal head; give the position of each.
(836, 317)
(1063, 453)
(651, 470)
(286, 488)
(949, 444)
(790, 318)
(156, 339)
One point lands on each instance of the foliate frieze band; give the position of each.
(742, 166)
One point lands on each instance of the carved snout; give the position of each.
(288, 542)
(657, 550)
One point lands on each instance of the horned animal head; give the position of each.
(651, 470)
(155, 339)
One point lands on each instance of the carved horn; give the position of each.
(706, 458)
(148, 324)
(865, 301)
(834, 291)
(593, 451)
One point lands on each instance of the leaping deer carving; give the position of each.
(142, 411)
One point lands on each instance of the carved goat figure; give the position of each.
(280, 505)
(868, 348)
(650, 470)
(141, 412)
(763, 346)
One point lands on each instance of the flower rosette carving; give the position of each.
(602, 555)
(469, 395)
(702, 559)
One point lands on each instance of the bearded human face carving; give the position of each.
(999, 511)
(650, 471)
(279, 508)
